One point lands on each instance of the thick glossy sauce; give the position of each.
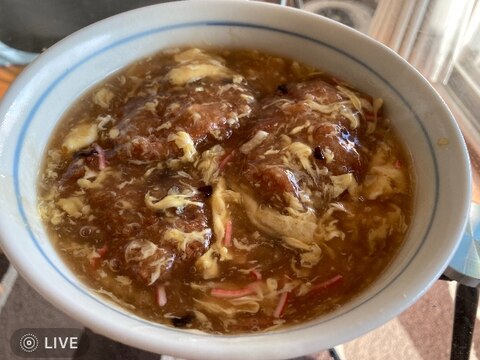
(226, 191)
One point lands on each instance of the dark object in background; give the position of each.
(466, 304)
(357, 14)
(35, 25)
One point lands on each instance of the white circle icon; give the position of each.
(28, 343)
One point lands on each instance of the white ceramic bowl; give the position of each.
(37, 100)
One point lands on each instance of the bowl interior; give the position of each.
(49, 86)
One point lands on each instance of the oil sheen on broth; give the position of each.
(227, 191)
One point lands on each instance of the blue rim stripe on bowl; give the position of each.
(230, 24)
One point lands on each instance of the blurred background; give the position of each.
(441, 38)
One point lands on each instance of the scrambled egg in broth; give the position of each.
(227, 191)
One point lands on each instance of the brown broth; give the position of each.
(173, 149)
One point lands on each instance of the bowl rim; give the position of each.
(47, 290)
